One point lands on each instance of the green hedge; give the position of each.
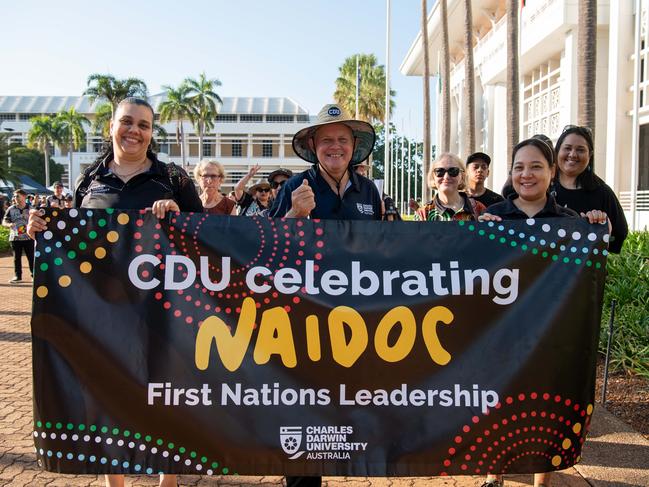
(628, 283)
(4, 240)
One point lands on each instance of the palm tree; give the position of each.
(469, 83)
(101, 123)
(445, 74)
(177, 107)
(371, 98)
(587, 62)
(113, 90)
(70, 126)
(43, 134)
(204, 101)
(426, 158)
(513, 104)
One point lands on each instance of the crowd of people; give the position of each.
(546, 181)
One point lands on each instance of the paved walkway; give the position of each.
(614, 456)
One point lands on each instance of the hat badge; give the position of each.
(334, 112)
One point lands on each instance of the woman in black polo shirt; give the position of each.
(128, 175)
(533, 167)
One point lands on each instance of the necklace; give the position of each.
(132, 173)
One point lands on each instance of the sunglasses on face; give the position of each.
(580, 127)
(277, 184)
(263, 190)
(452, 171)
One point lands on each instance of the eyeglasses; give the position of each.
(277, 184)
(452, 171)
(578, 127)
(263, 190)
(212, 176)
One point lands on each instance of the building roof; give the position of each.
(82, 104)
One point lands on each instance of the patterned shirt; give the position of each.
(435, 211)
(18, 219)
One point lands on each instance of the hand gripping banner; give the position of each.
(226, 345)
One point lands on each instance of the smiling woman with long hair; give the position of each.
(128, 175)
(578, 187)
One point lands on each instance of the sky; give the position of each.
(283, 48)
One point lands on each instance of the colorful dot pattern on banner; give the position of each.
(545, 423)
(83, 434)
(556, 245)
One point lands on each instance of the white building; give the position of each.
(247, 131)
(548, 89)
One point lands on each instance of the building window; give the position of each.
(25, 117)
(236, 148)
(6, 117)
(207, 150)
(279, 118)
(252, 118)
(266, 148)
(303, 118)
(97, 146)
(226, 118)
(542, 100)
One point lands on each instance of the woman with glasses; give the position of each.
(210, 175)
(578, 187)
(447, 177)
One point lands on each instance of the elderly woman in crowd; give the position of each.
(447, 176)
(578, 187)
(128, 175)
(210, 175)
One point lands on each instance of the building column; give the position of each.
(498, 123)
(569, 87)
(620, 99)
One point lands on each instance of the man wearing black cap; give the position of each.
(277, 178)
(56, 200)
(477, 171)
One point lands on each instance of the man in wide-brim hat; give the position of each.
(331, 189)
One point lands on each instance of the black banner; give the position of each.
(226, 345)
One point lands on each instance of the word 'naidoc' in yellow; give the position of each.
(275, 336)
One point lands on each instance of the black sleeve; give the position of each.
(620, 228)
(187, 196)
(77, 198)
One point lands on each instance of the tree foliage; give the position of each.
(371, 99)
(31, 162)
(43, 134)
(113, 90)
(205, 104)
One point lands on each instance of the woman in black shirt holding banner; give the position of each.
(129, 176)
(532, 171)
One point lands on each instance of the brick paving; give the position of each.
(18, 465)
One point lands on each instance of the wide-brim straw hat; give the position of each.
(363, 133)
(259, 185)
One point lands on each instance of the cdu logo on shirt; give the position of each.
(365, 209)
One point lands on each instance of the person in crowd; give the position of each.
(508, 189)
(390, 212)
(331, 189)
(3, 206)
(210, 175)
(448, 177)
(277, 178)
(15, 218)
(363, 169)
(578, 187)
(532, 170)
(68, 201)
(128, 175)
(413, 204)
(477, 171)
(56, 200)
(256, 200)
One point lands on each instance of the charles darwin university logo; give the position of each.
(290, 437)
